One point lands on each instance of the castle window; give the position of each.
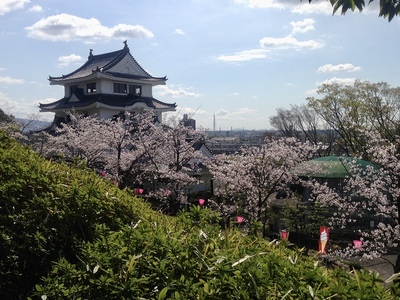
(135, 89)
(120, 88)
(91, 87)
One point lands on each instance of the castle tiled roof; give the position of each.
(121, 101)
(102, 63)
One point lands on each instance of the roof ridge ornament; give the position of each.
(126, 44)
(90, 53)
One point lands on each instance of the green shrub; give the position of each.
(190, 258)
(46, 211)
(66, 233)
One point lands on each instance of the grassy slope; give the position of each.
(67, 233)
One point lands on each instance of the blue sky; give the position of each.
(237, 59)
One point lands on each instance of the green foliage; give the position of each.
(304, 219)
(388, 8)
(166, 260)
(46, 211)
(65, 233)
(5, 118)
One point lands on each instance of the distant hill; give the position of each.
(32, 125)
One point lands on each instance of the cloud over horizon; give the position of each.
(329, 68)
(65, 27)
(163, 91)
(10, 80)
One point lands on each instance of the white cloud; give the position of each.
(10, 80)
(261, 3)
(163, 91)
(64, 61)
(244, 55)
(329, 68)
(179, 31)
(289, 42)
(64, 27)
(46, 100)
(268, 44)
(243, 111)
(19, 109)
(36, 9)
(303, 26)
(191, 111)
(221, 112)
(340, 81)
(315, 7)
(227, 115)
(2, 69)
(7, 105)
(7, 6)
(299, 7)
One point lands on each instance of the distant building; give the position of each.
(107, 85)
(188, 122)
(230, 142)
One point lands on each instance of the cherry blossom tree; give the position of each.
(172, 162)
(135, 150)
(248, 178)
(80, 139)
(368, 204)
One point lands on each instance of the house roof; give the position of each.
(80, 100)
(102, 64)
(332, 166)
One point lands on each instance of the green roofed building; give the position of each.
(338, 167)
(334, 170)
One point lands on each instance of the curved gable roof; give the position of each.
(78, 99)
(102, 63)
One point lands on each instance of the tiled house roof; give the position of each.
(102, 63)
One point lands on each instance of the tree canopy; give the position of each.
(388, 8)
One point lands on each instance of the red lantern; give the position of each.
(140, 191)
(201, 202)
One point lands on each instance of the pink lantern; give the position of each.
(103, 173)
(138, 191)
(284, 234)
(357, 244)
(239, 219)
(201, 202)
(168, 192)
